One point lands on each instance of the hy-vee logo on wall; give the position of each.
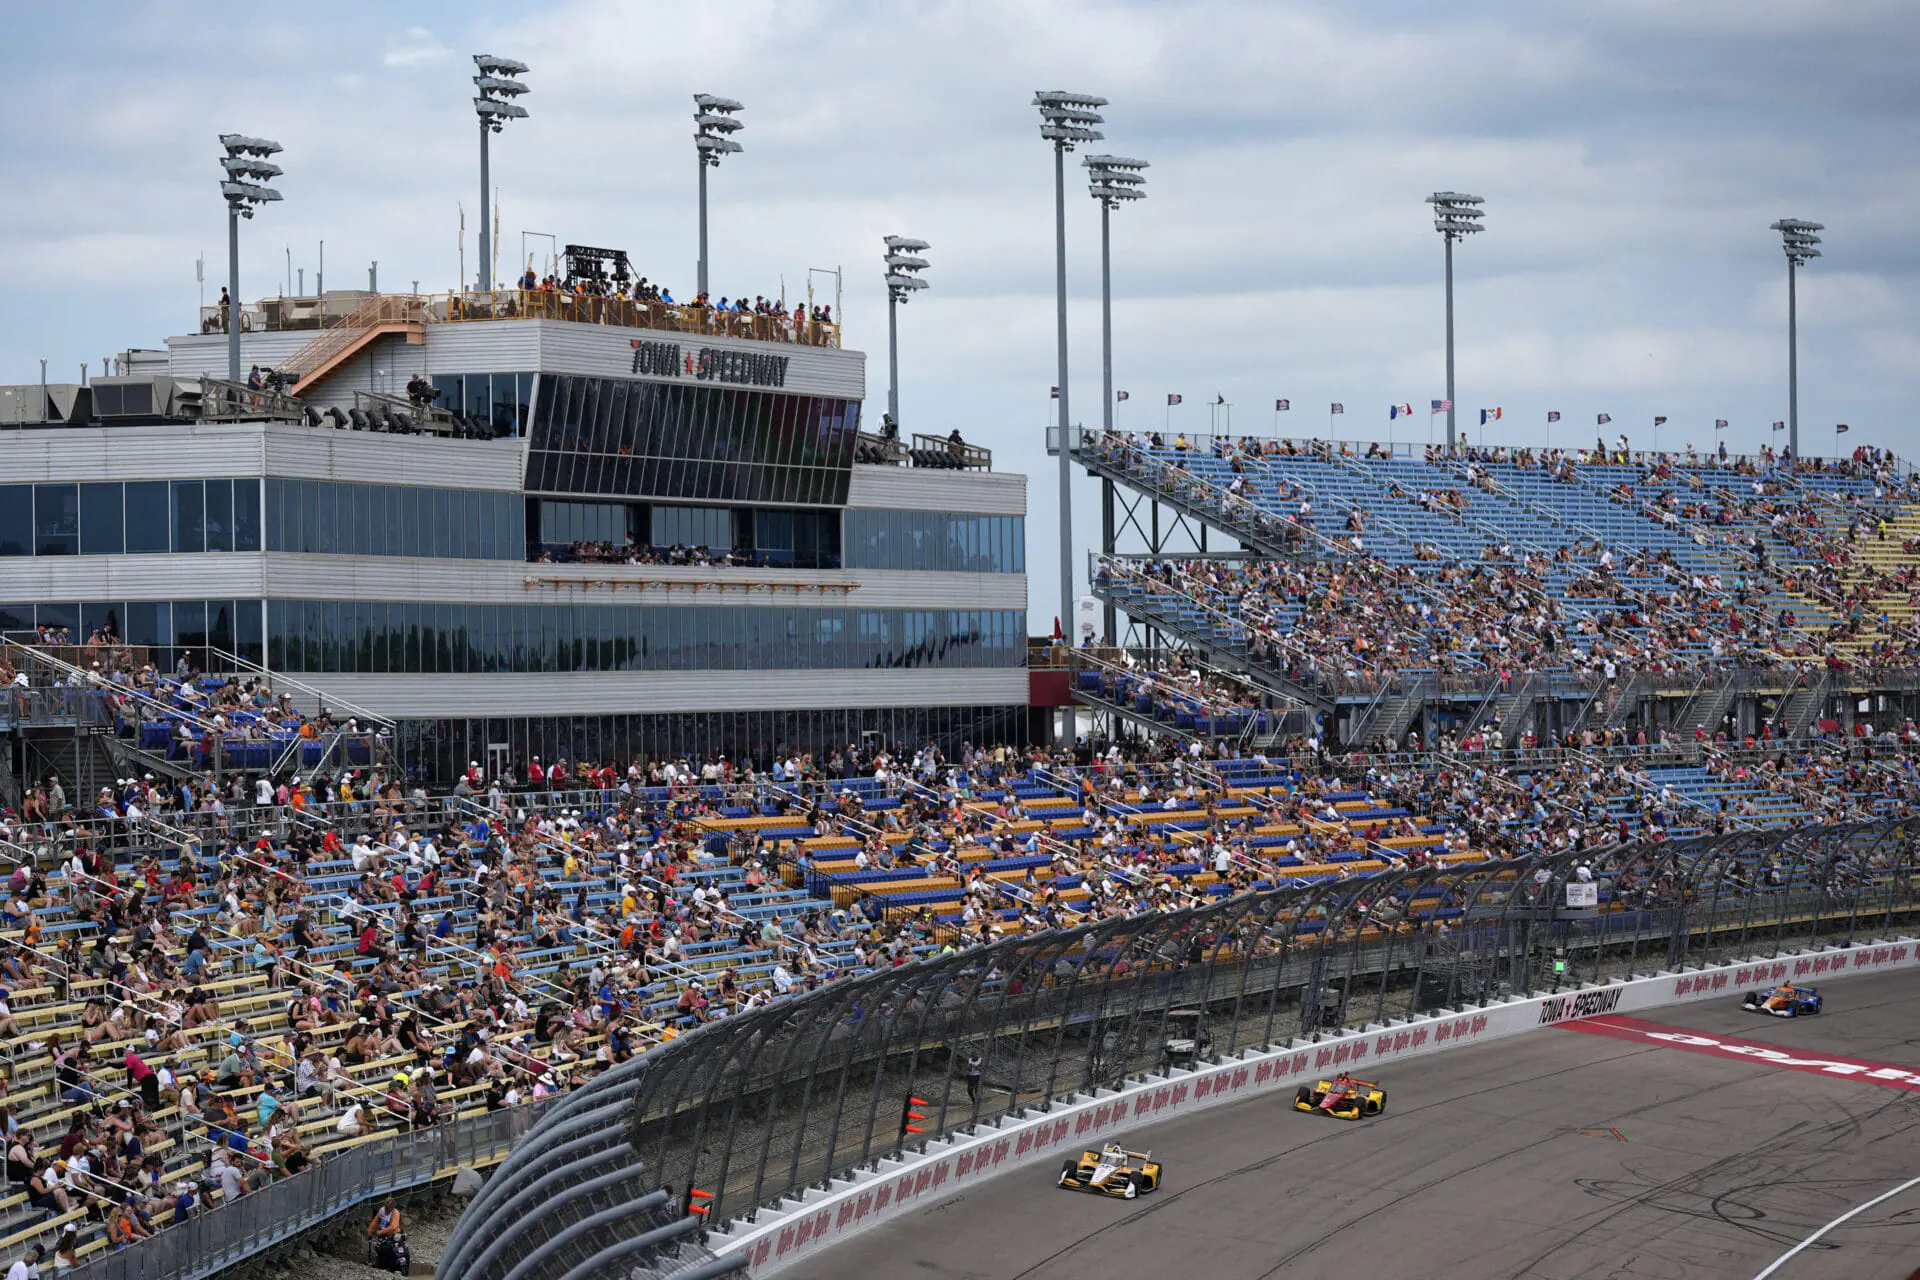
(1584, 1005)
(708, 364)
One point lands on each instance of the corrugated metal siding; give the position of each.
(198, 353)
(384, 366)
(326, 454)
(321, 577)
(131, 453)
(611, 693)
(993, 493)
(183, 577)
(496, 346)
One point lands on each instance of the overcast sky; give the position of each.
(1631, 155)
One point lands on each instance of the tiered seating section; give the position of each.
(1563, 562)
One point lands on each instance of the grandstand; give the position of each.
(1526, 596)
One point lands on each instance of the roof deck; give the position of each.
(349, 308)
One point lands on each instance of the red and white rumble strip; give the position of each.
(799, 1228)
(1771, 1055)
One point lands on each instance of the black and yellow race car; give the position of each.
(1343, 1097)
(1112, 1171)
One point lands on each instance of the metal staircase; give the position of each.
(378, 316)
(1803, 706)
(1708, 707)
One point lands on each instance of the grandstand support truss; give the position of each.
(1134, 522)
(758, 1108)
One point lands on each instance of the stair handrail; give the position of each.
(381, 308)
(323, 699)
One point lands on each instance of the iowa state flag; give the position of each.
(1489, 415)
(1399, 411)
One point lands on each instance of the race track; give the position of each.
(1694, 1164)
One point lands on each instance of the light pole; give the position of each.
(1111, 180)
(714, 127)
(1065, 119)
(243, 181)
(1798, 239)
(1454, 216)
(499, 85)
(902, 263)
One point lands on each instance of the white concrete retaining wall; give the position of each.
(801, 1227)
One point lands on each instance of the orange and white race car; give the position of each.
(1784, 1001)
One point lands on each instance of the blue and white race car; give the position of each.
(1784, 1001)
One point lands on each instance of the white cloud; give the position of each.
(419, 49)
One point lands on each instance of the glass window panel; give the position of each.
(16, 519)
(103, 520)
(246, 515)
(220, 625)
(219, 515)
(392, 507)
(56, 519)
(248, 625)
(359, 539)
(62, 616)
(100, 620)
(190, 629)
(440, 503)
(329, 528)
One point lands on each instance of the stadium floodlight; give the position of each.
(714, 127)
(499, 84)
(244, 174)
(1112, 180)
(1797, 239)
(1066, 119)
(1455, 216)
(904, 263)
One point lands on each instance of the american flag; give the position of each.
(1441, 406)
(1779, 426)
(1172, 398)
(1553, 415)
(1840, 429)
(1719, 424)
(1119, 395)
(1604, 419)
(1054, 392)
(1337, 408)
(1282, 406)
(1659, 419)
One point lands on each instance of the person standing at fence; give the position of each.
(973, 1078)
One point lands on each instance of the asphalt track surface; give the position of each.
(1479, 1170)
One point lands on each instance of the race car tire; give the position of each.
(1753, 1000)
(1140, 1184)
(1130, 1190)
(1303, 1094)
(1067, 1170)
(1371, 1108)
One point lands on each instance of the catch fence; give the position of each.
(760, 1107)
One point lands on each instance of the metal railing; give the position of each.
(220, 1236)
(760, 1107)
(627, 313)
